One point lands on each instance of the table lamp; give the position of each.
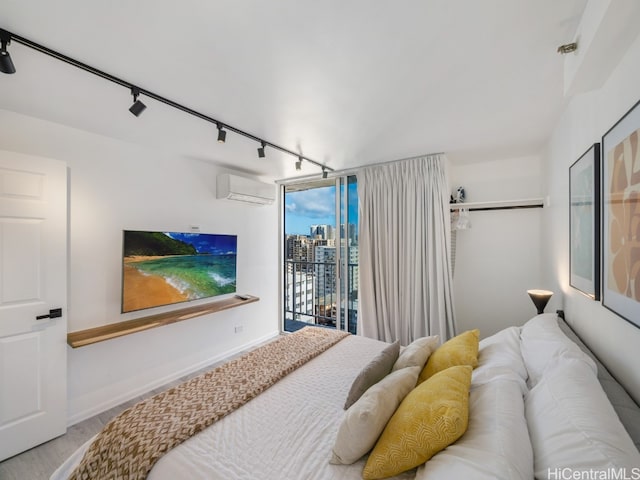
(540, 298)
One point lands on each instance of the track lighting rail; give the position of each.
(147, 93)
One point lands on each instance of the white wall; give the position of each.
(498, 258)
(587, 117)
(116, 186)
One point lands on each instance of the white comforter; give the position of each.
(535, 404)
(286, 433)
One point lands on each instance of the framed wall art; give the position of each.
(621, 217)
(584, 222)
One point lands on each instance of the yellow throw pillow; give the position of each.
(460, 350)
(434, 415)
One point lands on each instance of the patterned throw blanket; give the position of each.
(131, 443)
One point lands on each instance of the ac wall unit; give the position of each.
(241, 189)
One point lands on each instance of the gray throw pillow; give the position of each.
(373, 372)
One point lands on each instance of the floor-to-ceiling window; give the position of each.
(321, 254)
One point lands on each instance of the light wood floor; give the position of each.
(40, 462)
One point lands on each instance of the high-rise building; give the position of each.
(299, 296)
(323, 232)
(351, 233)
(325, 270)
(354, 276)
(299, 248)
(325, 284)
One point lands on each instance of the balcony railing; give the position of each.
(311, 295)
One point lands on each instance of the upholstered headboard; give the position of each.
(626, 408)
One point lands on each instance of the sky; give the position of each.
(209, 243)
(316, 207)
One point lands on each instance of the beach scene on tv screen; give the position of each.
(162, 268)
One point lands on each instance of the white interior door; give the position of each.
(33, 282)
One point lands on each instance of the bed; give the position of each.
(534, 404)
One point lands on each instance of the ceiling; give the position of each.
(343, 82)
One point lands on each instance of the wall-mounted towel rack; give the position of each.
(499, 205)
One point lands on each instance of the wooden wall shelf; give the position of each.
(114, 330)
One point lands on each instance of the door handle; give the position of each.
(53, 313)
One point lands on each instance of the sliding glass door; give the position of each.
(320, 251)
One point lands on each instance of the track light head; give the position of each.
(6, 64)
(222, 134)
(299, 164)
(261, 149)
(138, 107)
(324, 172)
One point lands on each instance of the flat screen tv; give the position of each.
(163, 268)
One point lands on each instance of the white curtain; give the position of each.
(406, 288)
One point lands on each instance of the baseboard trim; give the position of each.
(142, 390)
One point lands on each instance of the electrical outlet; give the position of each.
(238, 329)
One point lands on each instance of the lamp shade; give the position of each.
(540, 298)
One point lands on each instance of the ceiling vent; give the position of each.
(241, 189)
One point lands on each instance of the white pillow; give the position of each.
(417, 352)
(365, 420)
(499, 357)
(573, 426)
(543, 345)
(496, 444)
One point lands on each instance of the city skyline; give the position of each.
(316, 206)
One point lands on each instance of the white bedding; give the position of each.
(287, 432)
